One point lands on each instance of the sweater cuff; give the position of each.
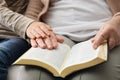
(21, 29)
(117, 14)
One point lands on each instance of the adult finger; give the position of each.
(41, 43)
(59, 39)
(100, 38)
(54, 40)
(33, 43)
(48, 43)
(111, 42)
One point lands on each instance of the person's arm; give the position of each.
(114, 5)
(110, 31)
(24, 26)
(14, 21)
(34, 8)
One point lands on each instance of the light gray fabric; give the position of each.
(109, 70)
(21, 72)
(78, 19)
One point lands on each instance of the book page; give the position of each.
(81, 53)
(55, 57)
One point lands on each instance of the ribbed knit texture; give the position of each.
(13, 24)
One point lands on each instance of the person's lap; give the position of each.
(109, 70)
(10, 50)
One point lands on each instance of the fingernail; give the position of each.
(50, 47)
(55, 46)
(43, 46)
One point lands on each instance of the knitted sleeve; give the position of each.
(34, 8)
(13, 21)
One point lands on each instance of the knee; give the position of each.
(20, 42)
(3, 67)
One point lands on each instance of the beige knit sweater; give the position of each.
(12, 24)
(37, 8)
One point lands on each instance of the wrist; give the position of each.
(117, 14)
(117, 17)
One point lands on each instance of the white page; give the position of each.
(81, 53)
(52, 57)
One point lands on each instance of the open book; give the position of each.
(65, 60)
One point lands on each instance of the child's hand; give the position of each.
(109, 32)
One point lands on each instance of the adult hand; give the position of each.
(41, 35)
(50, 42)
(109, 32)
